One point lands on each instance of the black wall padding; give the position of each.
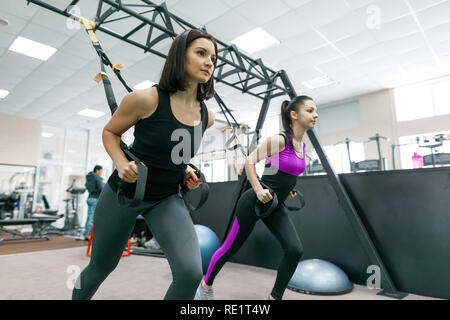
(406, 213)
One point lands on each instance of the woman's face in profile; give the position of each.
(200, 60)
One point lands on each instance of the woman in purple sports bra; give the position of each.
(285, 161)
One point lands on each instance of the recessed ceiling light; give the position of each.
(3, 94)
(255, 40)
(32, 48)
(144, 85)
(47, 134)
(3, 22)
(320, 82)
(91, 113)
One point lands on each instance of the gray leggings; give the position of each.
(170, 224)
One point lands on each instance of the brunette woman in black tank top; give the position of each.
(163, 118)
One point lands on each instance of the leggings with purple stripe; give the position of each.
(279, 223)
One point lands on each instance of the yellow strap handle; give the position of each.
(98, 77)
(90, 26)
(226, 129)
(231, 128)
(117, 66)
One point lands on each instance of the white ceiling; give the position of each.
(338, 38)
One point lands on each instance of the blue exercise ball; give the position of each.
(319, 277)
(209, 243)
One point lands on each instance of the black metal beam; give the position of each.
(230, 50)
(232, 61)
(73, 3)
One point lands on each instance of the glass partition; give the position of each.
(76, 145)
(52, 143)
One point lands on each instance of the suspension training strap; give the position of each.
(103, 76)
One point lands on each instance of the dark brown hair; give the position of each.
(286, 108)
(174, 72)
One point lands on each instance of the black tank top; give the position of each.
(165, 146)
(281, 183)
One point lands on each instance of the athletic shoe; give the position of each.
(204, 294)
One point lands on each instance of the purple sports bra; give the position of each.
(288, 161)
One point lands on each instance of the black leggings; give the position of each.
(170, 224)
(279, 223)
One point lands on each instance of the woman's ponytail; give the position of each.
(286, 108)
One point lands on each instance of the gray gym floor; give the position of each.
(47, 275)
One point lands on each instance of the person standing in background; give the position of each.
(94, 185)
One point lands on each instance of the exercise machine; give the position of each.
(71, 218)
(434, 158)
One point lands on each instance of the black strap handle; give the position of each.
(301, 200)
(140, 183)
(263, 210)
(239, 146)
(204, 191)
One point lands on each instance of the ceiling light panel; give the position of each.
(32, 48)
(3, 94)
(255, 40)
(90, 113)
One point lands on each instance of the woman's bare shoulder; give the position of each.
(144, 102)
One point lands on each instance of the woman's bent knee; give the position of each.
(190, 276)
(294, 253)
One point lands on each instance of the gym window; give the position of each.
(338, 156)
(423, 100)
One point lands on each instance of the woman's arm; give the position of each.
(134, 107)
(269, 147)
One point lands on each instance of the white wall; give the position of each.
(19, 140)
(358, 120)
